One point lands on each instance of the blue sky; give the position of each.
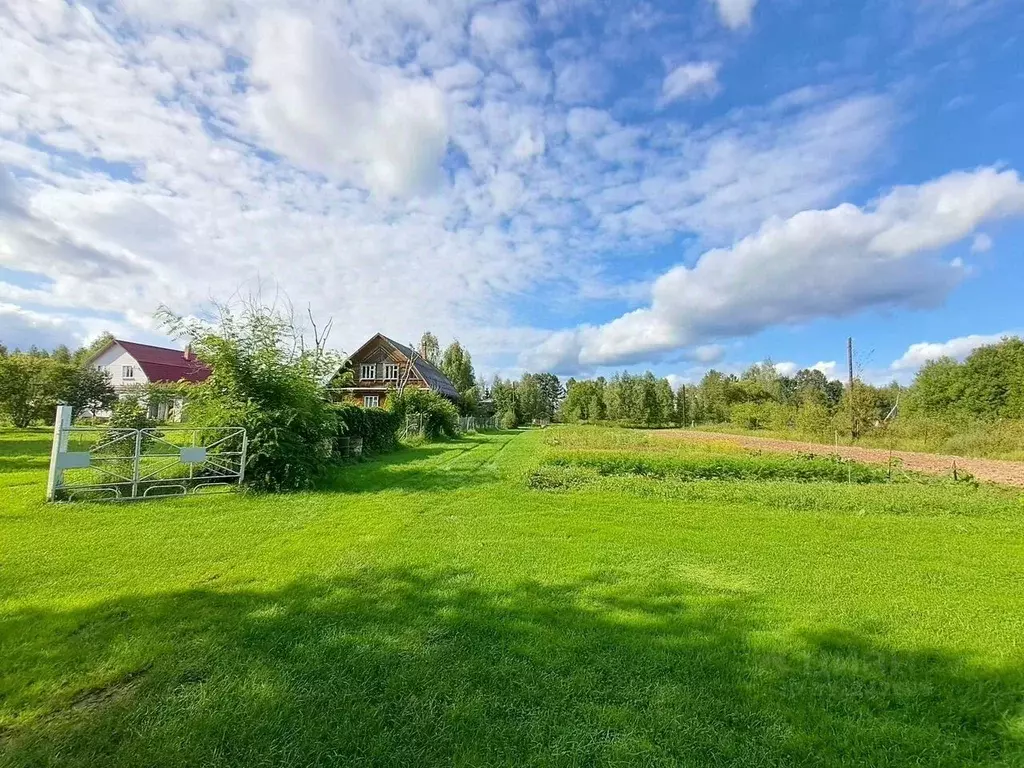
(562, 185)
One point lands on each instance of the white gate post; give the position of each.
(61, 425)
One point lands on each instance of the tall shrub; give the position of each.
(376, 427)
(440, 417)
(266, 379)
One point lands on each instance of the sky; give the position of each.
(570, 186)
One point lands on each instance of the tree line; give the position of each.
(34, 381)
(987, 386)
(533, 397)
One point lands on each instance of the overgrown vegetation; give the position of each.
(33, 383)
(534, 397)
(376, 427)
(973, 408)
(439, 417)
(712, 466)
(264, 377)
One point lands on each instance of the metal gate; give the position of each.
(124, 464)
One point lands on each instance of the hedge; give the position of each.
(378, 428)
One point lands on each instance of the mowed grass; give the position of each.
(438, 607)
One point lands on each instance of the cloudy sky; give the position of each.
(563, 185)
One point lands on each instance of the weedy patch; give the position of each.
(554, 477)
(799, 468)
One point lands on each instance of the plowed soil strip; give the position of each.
(988, 470)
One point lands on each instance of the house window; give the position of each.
(127, 371)
(371, 401)
(391, 371)
(367, 371)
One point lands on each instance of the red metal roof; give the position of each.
(165, 365)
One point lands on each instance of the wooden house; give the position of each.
(382, 366)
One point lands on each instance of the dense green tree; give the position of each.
(457, 365)
(989, 377)
(25, 390)
(83, 354)
(530, 402)
(666, 400)
(81, 387)
(584, 401)
(503, 392)
(430, 349)
(714, 395)
(61, 354)
(551, 391)
(683, 412)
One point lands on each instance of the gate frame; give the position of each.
(62, 430)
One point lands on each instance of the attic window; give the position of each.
(127, 371)
(391, 371)
(367, 372)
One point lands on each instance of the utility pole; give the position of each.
(853, 413)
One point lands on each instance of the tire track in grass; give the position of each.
(474, 460)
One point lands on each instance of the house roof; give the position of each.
(434, 378)
(163, 365)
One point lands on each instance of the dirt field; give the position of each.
(989, 470)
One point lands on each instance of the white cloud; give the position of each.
(500, 28)
(827, 367)
(958, 348)
(581, 81)
(394, 164)
(818, 263)
(22, 328)
(330, 112)
(708, 353)
(735, 13)
(689, 80)
(786, 368)
(982, 243)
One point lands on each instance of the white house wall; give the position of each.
(113, 360)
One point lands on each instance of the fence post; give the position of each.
(243, 457)
(135, 463)
(61, 425)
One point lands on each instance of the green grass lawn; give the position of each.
(551, 597)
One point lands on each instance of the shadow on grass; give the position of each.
(22, 464)
(415, 668)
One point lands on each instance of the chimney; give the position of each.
(188, 352)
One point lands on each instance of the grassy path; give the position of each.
(431, 608)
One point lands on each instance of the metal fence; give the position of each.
(123, 464)
(478, 424)
(415, 423)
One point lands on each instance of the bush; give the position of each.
(264, 379)
(377, 428)
(746, 416)
(440, 417)
(508, 420)
(129, 412)
(813, 420)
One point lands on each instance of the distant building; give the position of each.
(382, 366)
(131, 366)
